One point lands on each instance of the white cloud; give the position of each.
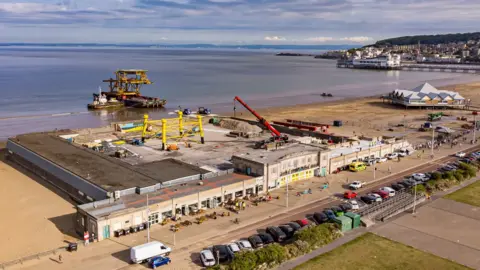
(22, 8)
(319, 39)
(275, 38)
(357, 39)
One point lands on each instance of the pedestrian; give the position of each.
(85, 238)
(347, 180)
(93, 237)
(60, 257)
(389, 169)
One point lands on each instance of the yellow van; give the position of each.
(357, 166)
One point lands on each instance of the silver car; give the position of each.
(206, 256)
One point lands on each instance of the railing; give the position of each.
(400, 207)
(384, 205)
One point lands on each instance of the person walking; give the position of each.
(86, 238)
(389, 169)
(60, 258)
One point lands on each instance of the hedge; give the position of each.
(443, 181)
(303, 242)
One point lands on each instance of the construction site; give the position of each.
(184, 164)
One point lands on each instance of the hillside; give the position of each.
(430, 39)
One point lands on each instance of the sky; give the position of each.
(231, 21)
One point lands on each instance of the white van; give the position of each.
(149, 250)
(389, 190)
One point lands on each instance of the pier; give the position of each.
(472, 69)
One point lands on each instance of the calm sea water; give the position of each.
(37, 83)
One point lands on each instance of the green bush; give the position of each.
(458, 175)
(244, 261)
(431, 185)
(447, 175)
(319, 235)
(471, 170)
(436, 176)
(420, 189)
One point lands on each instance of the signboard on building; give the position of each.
(259, 181)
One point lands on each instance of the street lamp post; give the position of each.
(374, 169)
(474, 126)
(433, 138)
(148, 223)
(286, 198)
(414, 199)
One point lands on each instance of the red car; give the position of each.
(349, 194)
(382, 194)
(302, 222)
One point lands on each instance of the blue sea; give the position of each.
(44, 88)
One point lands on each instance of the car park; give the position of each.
(345, 207)
(267, 239)
(408, 183)
(392, 155)
(244, 245)
(233, 248)
(159, 261)
(207, 258)
(468, 161)
(320, 217)
(368, 199)
(460, 154)
(384, 195)
(277, 234)
(289, 231)
(378, 198)
(337, 211)
(256, 241)
(329, 213)
(349, 194)
(398, 187)
(390, 191)
(222, 254)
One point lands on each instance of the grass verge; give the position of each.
(372, 252)
(468, 194)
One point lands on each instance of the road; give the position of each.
(311, 208)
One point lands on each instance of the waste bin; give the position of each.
(72, 247)
(355, 219)
(344, 222)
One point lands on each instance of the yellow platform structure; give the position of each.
(173, 129)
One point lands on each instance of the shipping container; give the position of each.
(344, 222)
(355, 219)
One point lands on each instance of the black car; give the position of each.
(294, 225)
(256, 241)
(345, 207)
(398, 187)
(287, 230)
(312, 221)
(266, 238)
(320, 217)
(336, 209)
(277, 234)
(368, 199)
(224, 255)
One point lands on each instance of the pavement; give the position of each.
(113, 253)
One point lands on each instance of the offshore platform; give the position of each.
(125, 91)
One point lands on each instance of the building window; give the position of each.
(153, 218)
(309, 159)
(274, 170)
(324, 157)
(295, 163)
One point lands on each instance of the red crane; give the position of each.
(276, 136)
(260, 118)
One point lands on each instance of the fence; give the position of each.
(384, 205)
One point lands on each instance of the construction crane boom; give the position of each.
(260, 118)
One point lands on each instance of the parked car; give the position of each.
(289, 231)
(329, 213)
(368, 199)
(464, 160)
(408, 183)
(267, 239)
(370, 161)
(402, 152)
(222, 254)
(256, 241)
(277, 234)
(233, 248)
(357, 166)
(354, 204)
(337, 211)
(378, 198)
(345, 207)
(392, 156)
(460, 154)
(398, 187)
(381, 159)
(356, 185)
(320, 217)
(244, 245)
(384, 195)
(295, 226)
(311, 220)
(349, 194)
(302, 222)
(159, 261)
(207, 258)
(390, 191)
(420, 177)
